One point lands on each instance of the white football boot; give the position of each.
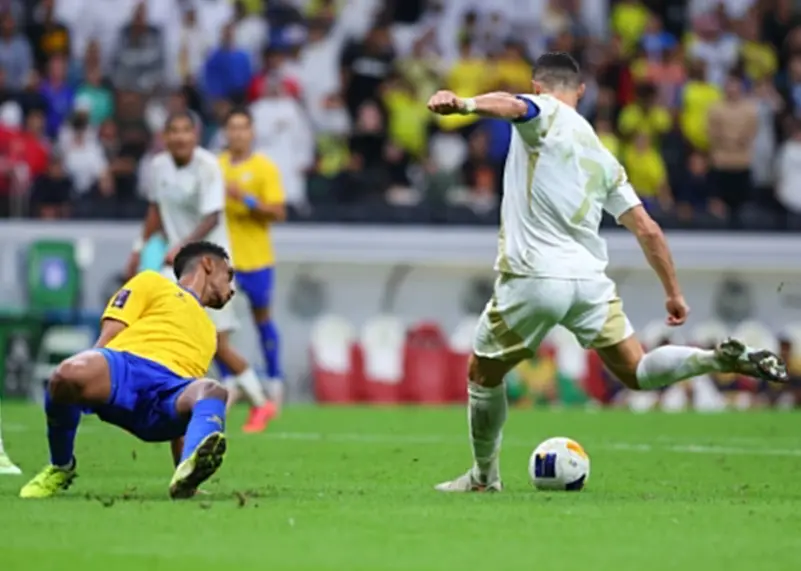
(470, 483)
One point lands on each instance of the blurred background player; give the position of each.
(145, 373)
(255, 199)
(187, 197)
(7, 467)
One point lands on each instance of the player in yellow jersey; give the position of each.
(146, 372)
(255, 200)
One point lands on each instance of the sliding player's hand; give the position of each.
(445, 103)
(677, 310)
(170, 257)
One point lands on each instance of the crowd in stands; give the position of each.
(699, 99)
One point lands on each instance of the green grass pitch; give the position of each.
(351, 490)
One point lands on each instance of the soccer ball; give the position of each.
(559, 464)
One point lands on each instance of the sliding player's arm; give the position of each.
(498, 105)
(623, 203)
(125, 307)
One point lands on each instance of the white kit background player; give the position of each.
(187, 195)
(551, 261)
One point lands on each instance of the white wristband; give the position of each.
(469, 106)
(138, 245)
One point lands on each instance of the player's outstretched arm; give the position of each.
(497, 105)
(152, 225)
(654, 246)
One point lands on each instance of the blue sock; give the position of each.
(208, 416)
(268, 333)
(225, 372)
(62, 425)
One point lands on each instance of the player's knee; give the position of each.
(214, 390)
(66, 383)
(486, 372)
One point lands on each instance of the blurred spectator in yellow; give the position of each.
(647, 172)
(511, 69)
(408, 118)
(422, 68)
(605, 131)
(470, 75)
(733, 124)
(759, 57)
(629, 20)
(644, 115)
(698, 96)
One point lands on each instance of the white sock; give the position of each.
(250, 385)
(486, 414)
(673, 363)
(275, 390)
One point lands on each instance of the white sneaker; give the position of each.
(7, 467)
(759, 363)
(469, 483)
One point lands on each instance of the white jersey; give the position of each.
(185, 195)
(558, 179)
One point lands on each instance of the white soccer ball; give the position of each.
(559, 464)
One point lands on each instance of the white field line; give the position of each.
(726, 448)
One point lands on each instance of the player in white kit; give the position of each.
(558, 180)
(187, 199)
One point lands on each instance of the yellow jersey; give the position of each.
(697, 100)
(646, 170)
(256, 176)
(166, 325)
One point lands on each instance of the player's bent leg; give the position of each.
(669, 364)
(83, 379)
(204, 445)
(262, 410)
(487, 411)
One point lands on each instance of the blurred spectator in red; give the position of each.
(16, 57)
(365, 65)
(788, 171)
(139, 62)
(23, 155)
(273, 76)
(227, 71)
(58, 94)
(733, 124)
(51, 194)
(49, 37)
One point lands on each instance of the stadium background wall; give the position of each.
(438, 275)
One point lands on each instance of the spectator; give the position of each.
(193, 46)
(769, 106)
(603, 127)
(250, 32)
(692, 193)
(23, 152)
(274, 76)
(759, 57)
(629, 20)
(283, 133)
(58, 94)
(31, 98)
(791, 90)
(645, 115)
(511, 69)
(97, 95)
(422, 68)
(481, 179)
(647, 172)
(733, 125)
(82, 154)
(133, 131)
(227, 71)
(139, 57)
(788, 171)
(656, 42)
(51, 194)
(408, 118)
(698, 97)
(16, 57)
(364, 66)
(666, 72)
(718, 50)
(48, 36)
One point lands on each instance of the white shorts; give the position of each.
(524, 309)
(224, 319)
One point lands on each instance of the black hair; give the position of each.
(189, 255)
(557, 69)
(175, 116)
(239, 112)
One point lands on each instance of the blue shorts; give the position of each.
(143, 397)
(257, 286)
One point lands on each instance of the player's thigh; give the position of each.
(257, 287)
(83, 378)
(514, 322)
